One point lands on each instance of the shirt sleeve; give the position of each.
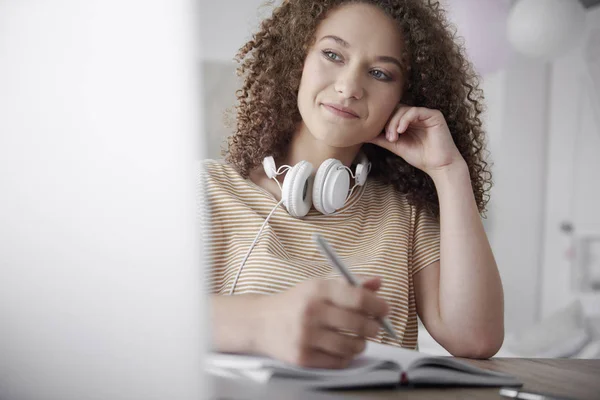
(425, 240)
(204, 203)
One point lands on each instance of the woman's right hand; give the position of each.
(304, 325)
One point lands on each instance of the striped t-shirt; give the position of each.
(376, 233)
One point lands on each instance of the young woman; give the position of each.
(381, 87)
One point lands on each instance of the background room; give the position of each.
(539, 62)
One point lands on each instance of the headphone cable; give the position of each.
(252, 247)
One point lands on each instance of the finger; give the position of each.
(415, 114)
(392, 118)
(357, 299)
(389, 126)
(337, 344)
(371, 283)
(341, 319)
(392, 128)
(382, 141)
(392, 125)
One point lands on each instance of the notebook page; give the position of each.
(238, 361)
(403, 357)
(359, 366)
(246, 363)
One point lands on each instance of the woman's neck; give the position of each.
(304, 146)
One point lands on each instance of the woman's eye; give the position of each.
(377, 74)
(331, 55)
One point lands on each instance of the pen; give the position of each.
(520, 394)
(327, 250)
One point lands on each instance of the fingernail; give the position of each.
(388, 135)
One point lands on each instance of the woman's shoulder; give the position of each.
(215, 171)
(386, 196)
(215, 165)
(219, 177)
(385, 193)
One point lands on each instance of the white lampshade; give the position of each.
(545, 28)
(482, 24)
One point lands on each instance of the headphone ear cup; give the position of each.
(319, 184)
(297, 189)
(330, 190)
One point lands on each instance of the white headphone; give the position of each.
(329, 190)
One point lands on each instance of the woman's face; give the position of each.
(352, 77)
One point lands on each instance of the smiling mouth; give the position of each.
(340, 111)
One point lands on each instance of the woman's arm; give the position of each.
(460, 298)
(235, 323)
(304, 325)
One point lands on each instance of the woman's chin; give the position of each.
(339, 139)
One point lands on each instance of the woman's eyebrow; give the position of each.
(338, 39)
(342, 42)
(393, 60)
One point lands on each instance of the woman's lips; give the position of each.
(340, 111)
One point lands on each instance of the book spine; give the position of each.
(403, 379)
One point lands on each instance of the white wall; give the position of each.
(518, 196)
(494, 89)
(545, 174)
(227, 24)
(573, 191)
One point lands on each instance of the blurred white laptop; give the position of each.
(100, 277)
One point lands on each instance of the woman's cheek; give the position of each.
(383, 118)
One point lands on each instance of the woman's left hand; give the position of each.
(421, 137)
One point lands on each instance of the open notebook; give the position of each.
(378, 365)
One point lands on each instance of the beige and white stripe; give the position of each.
(376, 233)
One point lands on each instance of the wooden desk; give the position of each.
(578, 379)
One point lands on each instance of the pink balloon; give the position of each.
(482, 24)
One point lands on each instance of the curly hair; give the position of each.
(439, 77)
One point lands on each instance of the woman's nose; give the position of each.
(349, 84)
